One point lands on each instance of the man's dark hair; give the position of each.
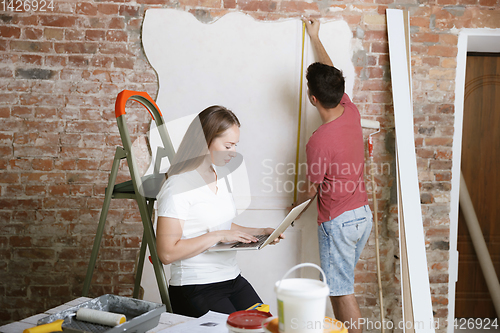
(326, 83)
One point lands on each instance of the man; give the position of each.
(335, 158)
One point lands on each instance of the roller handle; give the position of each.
(370, 146)
(55, 326)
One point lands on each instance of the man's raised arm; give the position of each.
(312, 26)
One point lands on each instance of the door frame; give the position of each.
(469, 40)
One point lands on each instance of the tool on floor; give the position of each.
(104, 314)
(88, 315)
(143, 190)
(373, 124)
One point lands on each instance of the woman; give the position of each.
(195, 212)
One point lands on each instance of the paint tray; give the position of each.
(141, 315)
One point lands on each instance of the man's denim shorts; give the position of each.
(341, 241)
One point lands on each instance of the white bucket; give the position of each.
(301, 303)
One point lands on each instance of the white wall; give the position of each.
(253, 68)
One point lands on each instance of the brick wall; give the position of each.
(60, 72)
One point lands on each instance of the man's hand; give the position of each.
(312, 27)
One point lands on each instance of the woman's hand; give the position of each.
(268, 231)
(226, 236)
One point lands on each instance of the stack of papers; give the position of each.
(211, 322)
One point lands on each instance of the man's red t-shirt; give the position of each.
(336, 161)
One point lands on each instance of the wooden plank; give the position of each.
(417, 304)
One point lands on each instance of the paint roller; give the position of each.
(83, 314)
(373, 124)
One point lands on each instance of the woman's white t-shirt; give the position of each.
(187, 197)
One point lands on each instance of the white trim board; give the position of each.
(420, 311)
(469, 40)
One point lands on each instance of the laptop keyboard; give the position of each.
(261, 239)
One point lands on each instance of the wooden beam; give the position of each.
(417, 305)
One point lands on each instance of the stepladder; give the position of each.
(142, 189)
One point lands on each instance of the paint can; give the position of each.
(301, 302)
(247, 321)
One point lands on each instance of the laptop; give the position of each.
(264, 240)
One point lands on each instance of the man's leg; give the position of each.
(346, 310)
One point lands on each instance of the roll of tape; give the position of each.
(100, 317)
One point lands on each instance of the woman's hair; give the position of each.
(208, 125)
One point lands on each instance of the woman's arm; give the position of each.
(171, 247)
(257, 231)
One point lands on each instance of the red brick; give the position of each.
(33, 33)
(376, 85)
(61, 164)
(443, 176)
(53, 33)
(102, 61)
(6, 73)
(43, 177)
(39, 100)
(9, 32)
(116, 36)
(30, 151)
(55, 61)
(34, 253)
(376, 36)
(58, 21)
(298, 6)
(55, 203)
(107, 8)
(117, 23)
(442, 51)
(20, 164)
(74, 47)
(380, 47)
(488, 3)
(25, 46)
(95, 35)
(4, 112)
(425, 38)
(11, 191)
(87, 165)
(60, 291)
(58, 190)
(31, 59)
(74, 35)
(20, 241)
(86, 8)
(48, 126)
(438, 141)
(84, 190)
(36, 190)
(230, 4)
(42, 164)
(128, 10)
(122, 62)
(9, 178)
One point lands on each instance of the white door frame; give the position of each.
(469, 40)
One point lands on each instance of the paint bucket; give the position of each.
(301, 302)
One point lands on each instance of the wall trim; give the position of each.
(469, 40)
